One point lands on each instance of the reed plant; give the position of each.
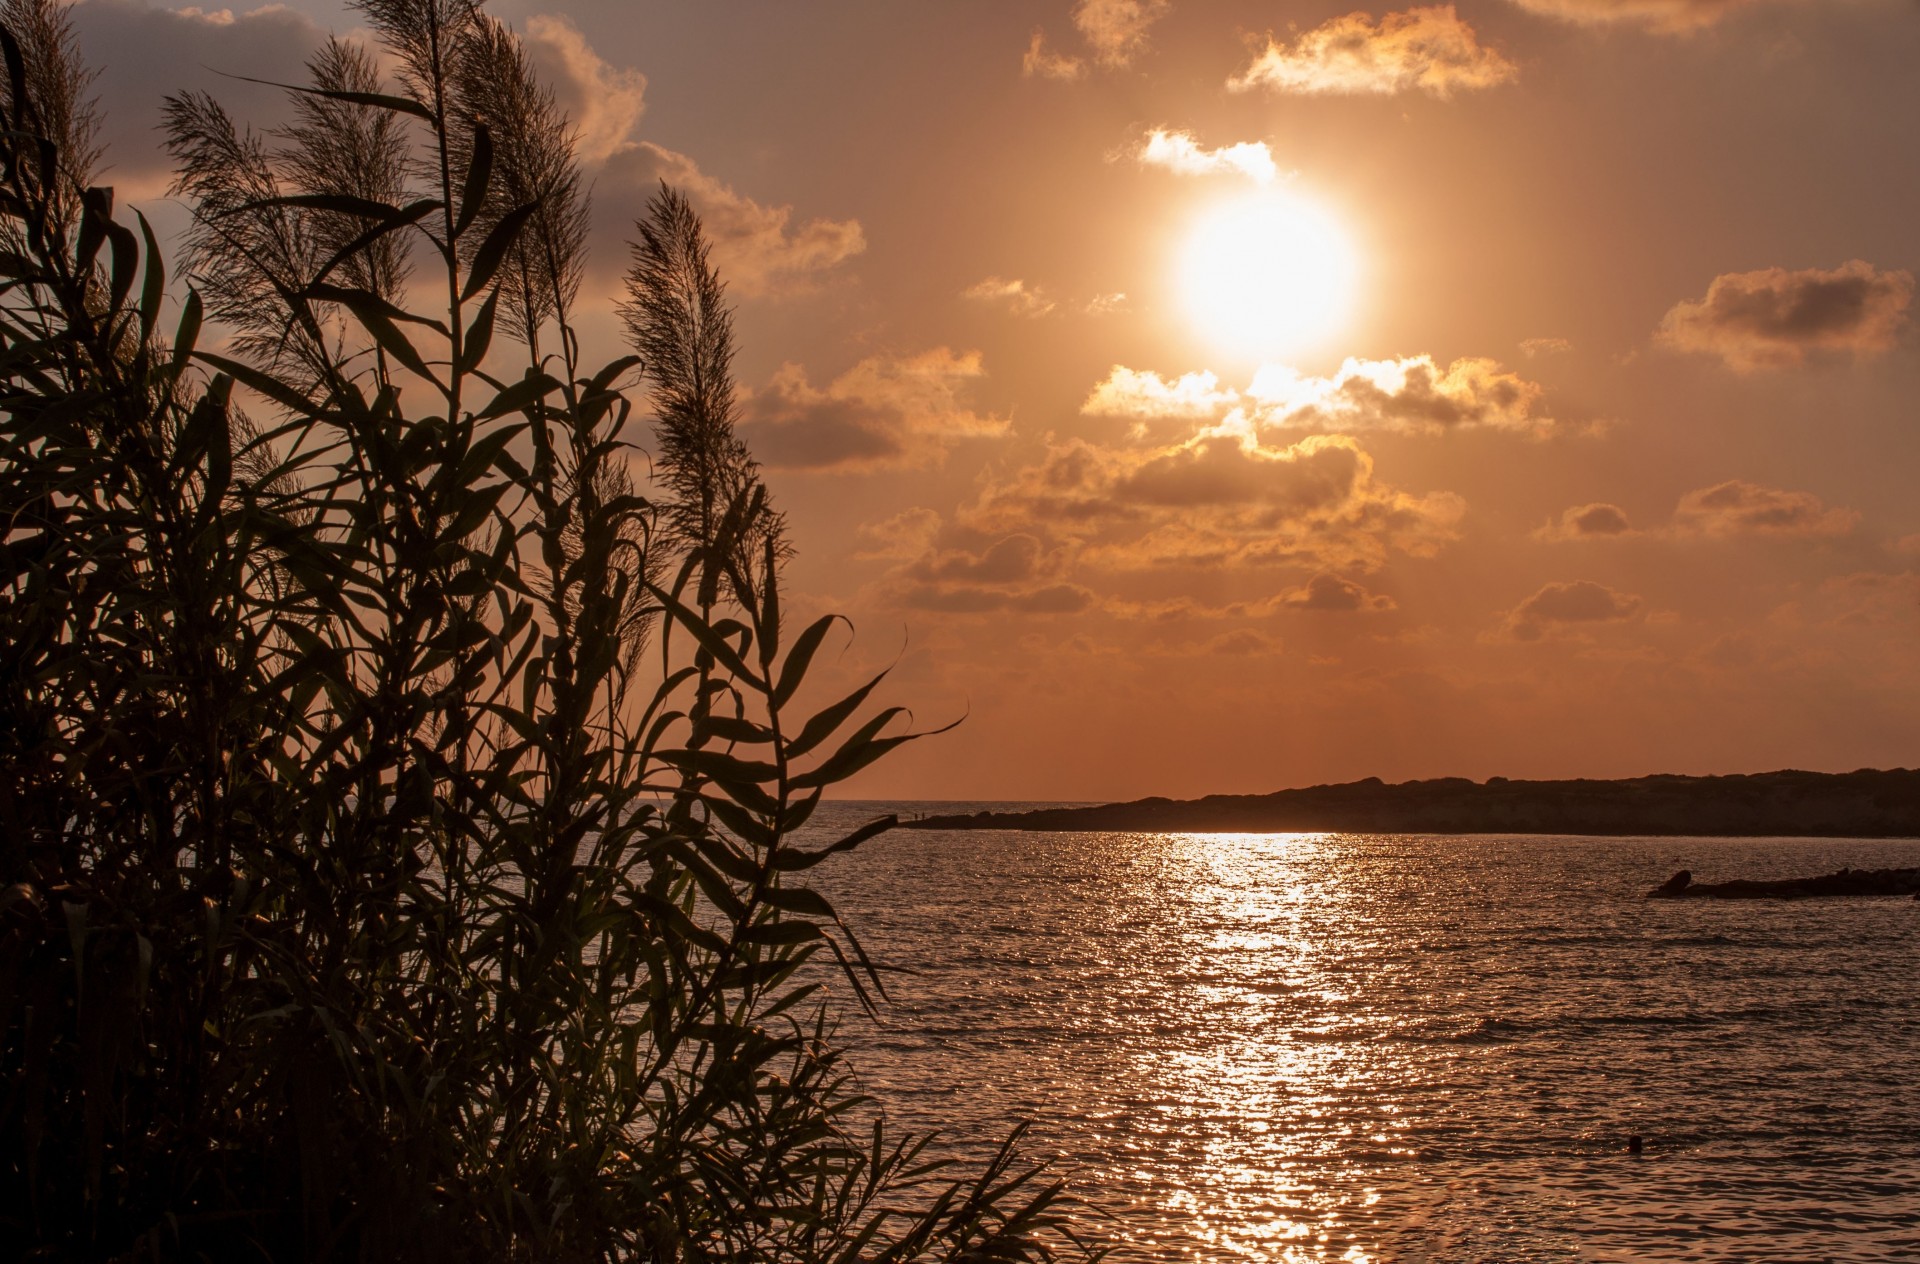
(400, 795)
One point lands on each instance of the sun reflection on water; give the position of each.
(1246, 1096)
(1320, 1047)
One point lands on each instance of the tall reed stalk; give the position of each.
(398, 798)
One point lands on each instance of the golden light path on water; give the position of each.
(1309, 1047)
(1238, 1087)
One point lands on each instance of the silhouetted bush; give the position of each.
(397, 801)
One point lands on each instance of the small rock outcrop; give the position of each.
(1681, 886)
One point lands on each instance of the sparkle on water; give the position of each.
(1374, 1048)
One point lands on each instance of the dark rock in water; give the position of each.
(1676, 885)
(1681, 886)
(1863, 804)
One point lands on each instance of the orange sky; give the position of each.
(1605, 470)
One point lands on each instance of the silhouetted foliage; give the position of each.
(369, 892)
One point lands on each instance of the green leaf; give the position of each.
(779, 934)
(794, 670)
(789, 859)
(124, 256)
(253, 379)
(722, 769)
(531, 389)
(711, 641)
(154, 290)
(829, 719)
(399, 105)
(187, 332)
(363, 303)
(801, 900)
(473, 347)
(412, 213)
(96, 212)
(493, 251)
(338, 203)
(479, 172)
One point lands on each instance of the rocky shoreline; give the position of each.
(1870, 803)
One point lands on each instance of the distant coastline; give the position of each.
(1870, 803)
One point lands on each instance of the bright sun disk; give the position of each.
(1268, 275)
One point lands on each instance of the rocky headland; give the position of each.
(1869, 803)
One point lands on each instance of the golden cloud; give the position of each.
(1413, 395)
(1774, 318)
(1116, 30)
(602, 101)
(1427, 49)
(758, 247)
(1144, 394)
(1182, 154)
(1012, 293)
(884, 412)
(1042, 62)
(1218, 499)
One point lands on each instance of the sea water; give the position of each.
(1307, 1047)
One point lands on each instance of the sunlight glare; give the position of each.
(1268, 275)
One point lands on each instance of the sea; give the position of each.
(1402, 1047)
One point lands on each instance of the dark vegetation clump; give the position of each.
(398, 796)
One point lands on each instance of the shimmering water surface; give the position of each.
(1385, 1047)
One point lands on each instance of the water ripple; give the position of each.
(1388, 1048)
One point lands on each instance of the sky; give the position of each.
(1219, 397)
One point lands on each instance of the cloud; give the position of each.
(1051, 599)
(1413, 395)
(1013, 559)
(1244, 643)
(1183, 155)
(1774, 318)
(758, 247)
(1116, 30)
(1333, 595)
(1012, 293)
(1216, 500)
(1662, 15)
(1042, 62)
(1016, 574)
(884, 412)
(1040, 537)
(144, 54)
(907, 534)
(1545, 347)
(1559, 604)
(1735, 508)
(603, 101)
(1146, 395)
(1588, 522)
(1868, 599)
(1428, 49)
(952, 569)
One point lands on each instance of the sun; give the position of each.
(1268, 275)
